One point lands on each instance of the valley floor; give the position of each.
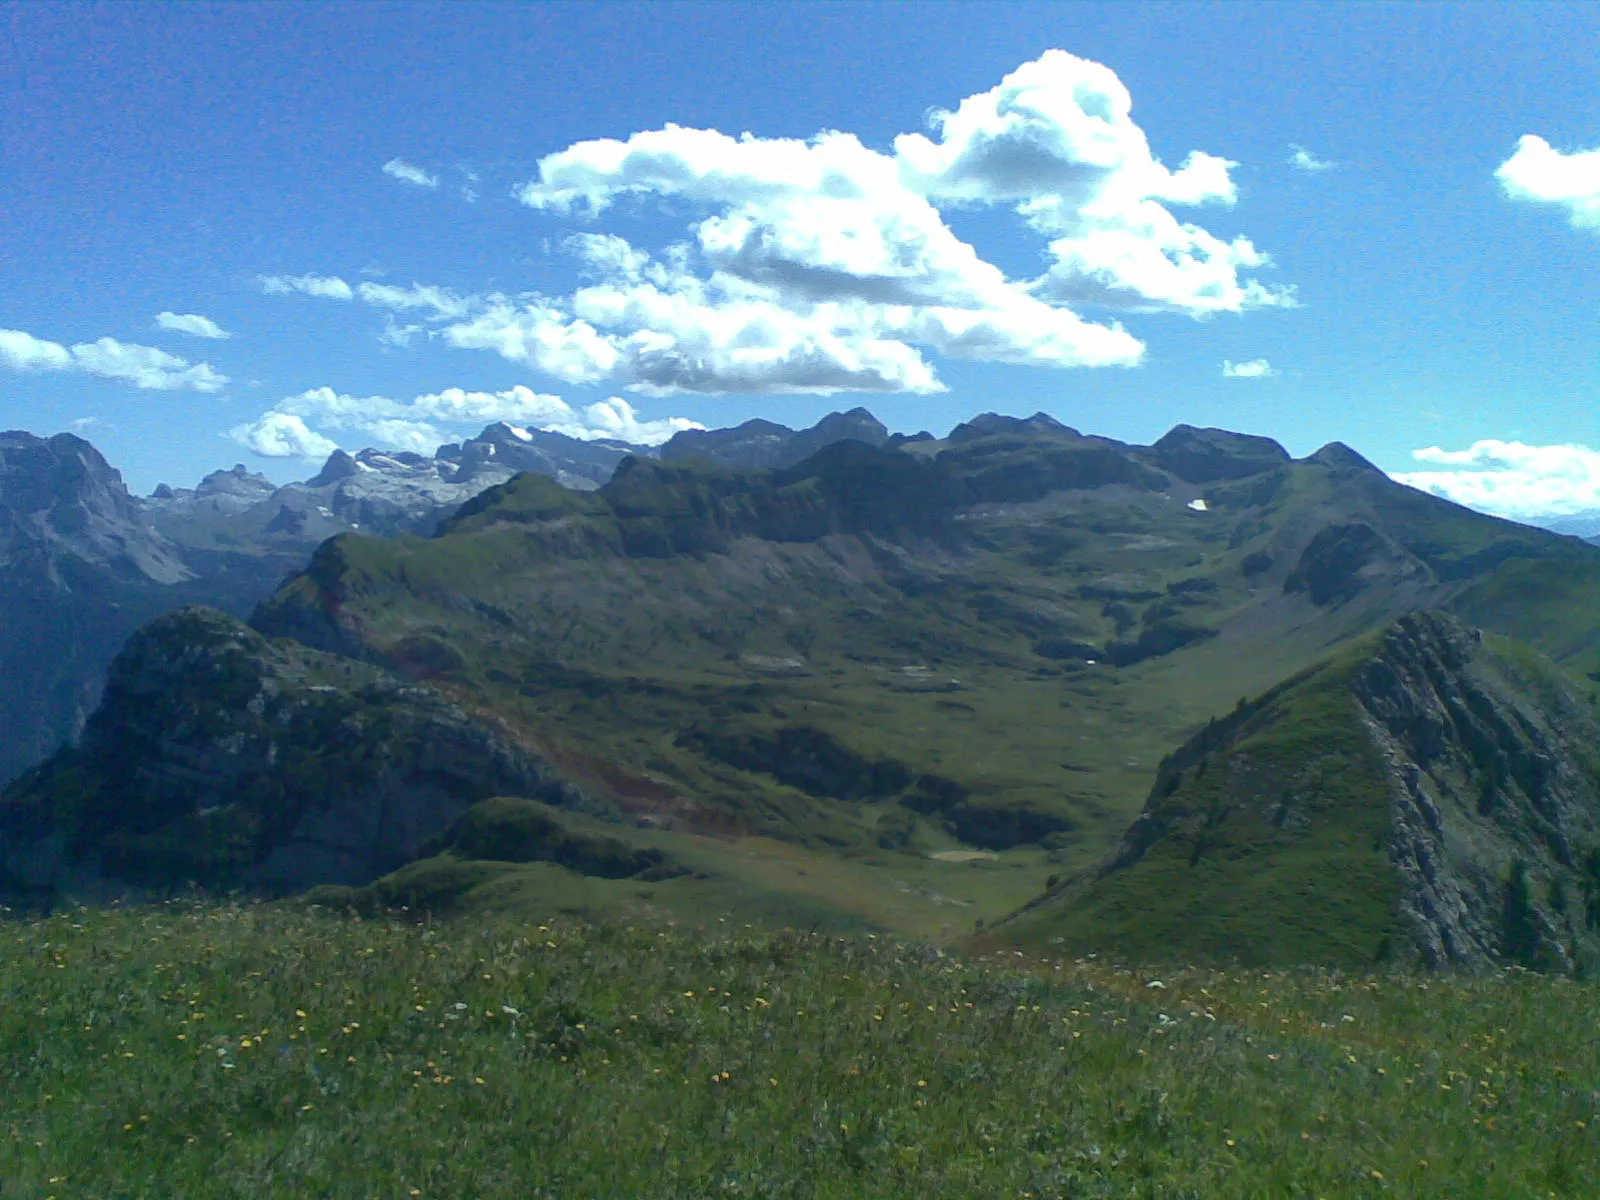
(276, 1051)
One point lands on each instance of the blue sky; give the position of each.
(411, 219)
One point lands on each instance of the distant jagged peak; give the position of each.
(504, 433)
(852, 423)
(61, 494)
(992, 424)
(407, 462)
(237, 480)
(762, 443)
(1205, 455)
(341, 464)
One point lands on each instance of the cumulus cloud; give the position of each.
(127, 362)
(191, 323)
(1543, 174)
(23, 352)
(423, 423)
(1512, 479)
(1256, 368)
(616, 418)
(1056, 138)
(824, 265)
(1302, 159)
(329, 287)
(282, 435)
(398, 168)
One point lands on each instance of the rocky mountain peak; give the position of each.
(1339, 457)
(237, 481)
(59, 496)
(221, 756)
(341, 464)
(762, 443)
(995, 424)
(1208, 455)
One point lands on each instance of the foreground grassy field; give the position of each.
(210, 1051)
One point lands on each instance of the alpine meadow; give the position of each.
(654, 715)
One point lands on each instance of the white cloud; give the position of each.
(282, 435)
(824, 265)
(1512, 479)
(424, 422)
(1056, 138)
(23, 352)
(142, 366)
(191, 323)
(1541, 173)
(398, 168)
(441, 303)
(1303, 160)
(329, 287)
(1256, 368)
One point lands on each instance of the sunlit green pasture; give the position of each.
(222, 1050)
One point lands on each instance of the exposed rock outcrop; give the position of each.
(79, 570)
(1490, 762)
(223, 758)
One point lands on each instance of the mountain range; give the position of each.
(83, 562)
(1197, 699)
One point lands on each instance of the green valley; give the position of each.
(911, 687)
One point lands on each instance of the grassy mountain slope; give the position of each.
(944, 671)
(1426, 794)
(274, 1052)
(715, 636)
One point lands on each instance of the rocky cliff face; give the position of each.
(222, 758)
(1434, 797)
(1491, 769)
(60, 499)
(78, 572)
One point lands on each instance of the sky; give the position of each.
(254, 232)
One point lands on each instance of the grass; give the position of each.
(227, 1050)
(1274, 850)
